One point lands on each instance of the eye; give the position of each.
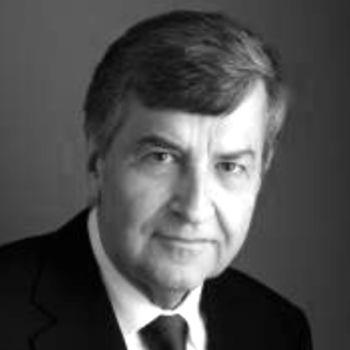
(163, 157)
(158, 160)
(231, 168)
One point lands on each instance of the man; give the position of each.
(182, 117)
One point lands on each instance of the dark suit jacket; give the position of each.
(52, 297)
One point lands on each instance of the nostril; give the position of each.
(190, 200)
(194, 210)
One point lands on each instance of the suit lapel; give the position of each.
(228, 314)
(215, 312)
(70, 294)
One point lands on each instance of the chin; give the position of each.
(181, 278)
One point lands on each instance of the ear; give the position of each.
(268, 159)
(95, 169)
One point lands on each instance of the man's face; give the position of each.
(177, 192)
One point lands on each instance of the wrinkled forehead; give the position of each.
(243, 127)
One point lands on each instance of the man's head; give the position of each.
(188, 61)
(181, 118)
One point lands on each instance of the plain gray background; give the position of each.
(299, 240)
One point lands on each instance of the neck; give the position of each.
(168, 300)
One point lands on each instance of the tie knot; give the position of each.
(165, 333)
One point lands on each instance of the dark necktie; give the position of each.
(165, 333)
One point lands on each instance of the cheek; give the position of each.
(234, 216)
(136, 200)
(124, 211)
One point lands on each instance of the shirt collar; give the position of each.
(133, 309)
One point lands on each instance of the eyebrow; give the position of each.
(163, 142)
(158, 141)
(244, 153)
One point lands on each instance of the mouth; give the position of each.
(183, 246)
(182, 239)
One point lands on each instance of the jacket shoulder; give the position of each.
(259, 309)
(21, 261)
(22, 269)
(236, 285)
(18, 260)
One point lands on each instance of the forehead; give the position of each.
(245, 125)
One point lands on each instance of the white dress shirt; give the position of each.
(133, 310)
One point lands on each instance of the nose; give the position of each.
(191, 200)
